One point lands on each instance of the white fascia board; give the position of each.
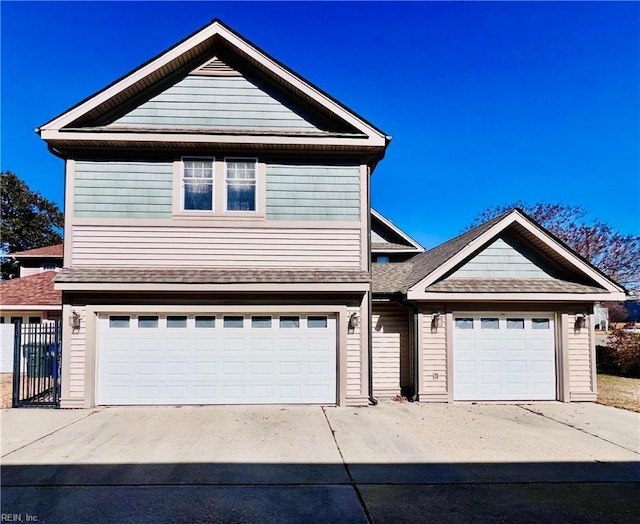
(515, 297)
(190, 138)
(32, 256)
(214, 29)
(397, 230)
(303, 86)
(95, 101)
(394, 251)
(577, 262)
(469, 249)
(495, 230)
(30, 307)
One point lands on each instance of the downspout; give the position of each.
(416, 354)
(372, 399)
(416, 347)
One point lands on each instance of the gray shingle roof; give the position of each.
(208, 276)
(390, 246)
(510, 285)
(429, 261)
(390, 278)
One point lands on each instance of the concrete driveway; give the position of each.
(397, 462)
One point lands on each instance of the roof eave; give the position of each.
(528, 223)
(219, 30)
(514, 297)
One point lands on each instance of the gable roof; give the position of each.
(434, 258)
(55, 251)
(395, 239)
(433, 265)
(74, 126)
(34, 290)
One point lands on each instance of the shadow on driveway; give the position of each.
(583, 492)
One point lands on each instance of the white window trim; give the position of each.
(219, 211)
(257, 194)
(213, 186)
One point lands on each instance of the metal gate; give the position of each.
(36, 364)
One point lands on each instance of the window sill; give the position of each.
(228, 216)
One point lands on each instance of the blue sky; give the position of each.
(487, 103)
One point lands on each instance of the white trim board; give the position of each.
(215, 29)
(418, 291)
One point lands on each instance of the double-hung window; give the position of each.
(197, 184)
(240, 184)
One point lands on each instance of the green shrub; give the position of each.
(622, 353)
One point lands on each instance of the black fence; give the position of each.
(36, 364)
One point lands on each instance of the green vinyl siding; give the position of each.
(214, 101)
(123, 189)
(502, 260)
(299, 192)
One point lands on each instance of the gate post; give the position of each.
(17, 349)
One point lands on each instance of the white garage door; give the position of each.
(216, 359)
(504, 357)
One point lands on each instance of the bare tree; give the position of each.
(615, 254)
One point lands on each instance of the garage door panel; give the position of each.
(509, 359)
(516, 366)
(490, 366)
(147, 368)
(261, 345)
(515, 389)
(204, 369)
(466, 367)
(515, 344)
(216, 364)
(489, 345)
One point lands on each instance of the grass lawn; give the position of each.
(619, 392)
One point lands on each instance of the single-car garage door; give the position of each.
(504, 357)
(216, 359)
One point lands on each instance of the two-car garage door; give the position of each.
(216, 359)
(504, 357)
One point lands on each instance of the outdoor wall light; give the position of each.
(354, 320)
(436, 321)
(74, 320)
(579, 322)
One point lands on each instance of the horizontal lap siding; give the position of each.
(179, 246)
(77, 359)
(354, 359)
(391, 346)
(123, 189)
(434, 360)
(316, 192)
(214, 101)
(580, 384)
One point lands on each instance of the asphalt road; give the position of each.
(397, 462)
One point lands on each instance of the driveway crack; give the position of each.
(347, 469)
(535, 412)
(51, 433)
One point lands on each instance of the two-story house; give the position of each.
(216, 234)
(218, 247)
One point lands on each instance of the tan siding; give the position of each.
(76, 362)
(354, 361)
(391, 347)
(579, 346)
(180, 246)
(434, 361)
